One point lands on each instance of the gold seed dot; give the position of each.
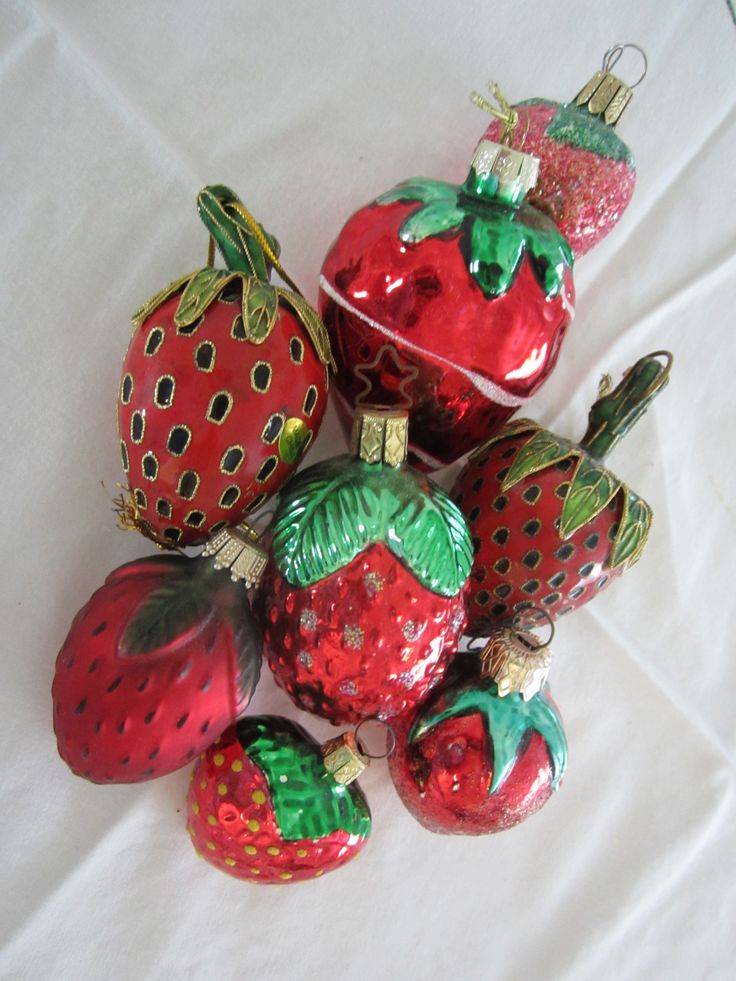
(250, 850)
(218, 759)
(285, 875)
(211, 845)
(190, 829)
(195, 808)
(236, 766)
(212, 820)
(302, 853)
(255, 871)
(258, 797)
(253, 824)
(222, 789)
(273, 850)
(318, 873)
(229, 861)
(203, 785)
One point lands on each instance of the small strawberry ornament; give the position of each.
(488, 748)
(587, 174)
(224, 385)
(364, 600)
(266, 803)
(458, 296)
(163, 657)
(551, 526)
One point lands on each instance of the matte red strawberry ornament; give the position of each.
(223, 387)
(268, 804)
(459, 296)
(552, 527)
(364, 599)
(488, 748)
(163, 657)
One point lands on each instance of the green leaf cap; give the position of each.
(249, 253)
(307, 800)
(494, 237)
(331, 512)
(506, 721)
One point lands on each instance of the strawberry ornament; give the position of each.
(587, 173)
(488, 748)
(223, 387)
(163, 657)
(551, 525)
(457, 296)
(267, 804)
(364, 600)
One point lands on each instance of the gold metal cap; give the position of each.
(343, 758)
(380, 435)
(515, 171)
(605, 95)
(237, 549)
(517, 661)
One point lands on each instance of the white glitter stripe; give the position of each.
(488, 388)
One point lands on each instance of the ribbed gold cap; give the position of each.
(343, 759)
(516, 661)
(605, 95)
(237, 549)
(380, 435)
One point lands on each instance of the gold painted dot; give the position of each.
(229, 861)
(195, 808)
(211, 845)
(285, 875)
(236, 766)
(302, 853)
(273, 850)
(203, 785)
(218, 759)
(250, 850)
(258, 797)
(255, 871)
(190, 829)
(222, 789)
(212, 820)
(318, 873)
(253, 825)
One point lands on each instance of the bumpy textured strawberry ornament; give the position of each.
(552, 526)
(488, 748)
(458, 297)
(223, 387)
(269, 804)
(163, 657)
(587, 173)
(364, 600)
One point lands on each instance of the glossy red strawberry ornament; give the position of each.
(456, 297)
(224, 385)
(488, 748)
(587, 173)
(364, 600)
(551, 526)
(163, 657)
(267, 804)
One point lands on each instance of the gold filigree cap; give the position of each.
(343, 759)
(380, 435)
(238, 550)
(516, 172)
(517, 661)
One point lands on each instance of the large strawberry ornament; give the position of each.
(456, 298)
(587, 173)
(552, 526)
(488, 748)
(223, 386)
(266, 803)
(164, 656)
(364, 600)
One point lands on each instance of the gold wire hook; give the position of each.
(508, 116)
(613, 56)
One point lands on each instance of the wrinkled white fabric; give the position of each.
(113, 116)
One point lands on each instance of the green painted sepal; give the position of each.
(506, 721)
(331, 512)
(309, 802)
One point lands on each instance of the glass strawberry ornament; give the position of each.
(551, 525)
(364, 599)
(223, 387)
(163, 657)
(587, 173)
(455, 296)
(488, 748)
(268, 804)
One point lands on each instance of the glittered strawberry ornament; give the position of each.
(364, 600)
(268, 804)
(223, 387)
(587, 173)
(163, 657)
(458, 296)
(552, 526)
(488, 748)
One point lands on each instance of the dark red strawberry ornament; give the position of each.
(266, 803)
(551, 526)
(458, 297)
(488, 748)
(587, 173)
(364, 600)
(224, 385)
(163, 657)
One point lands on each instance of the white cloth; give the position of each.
(113, 116)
